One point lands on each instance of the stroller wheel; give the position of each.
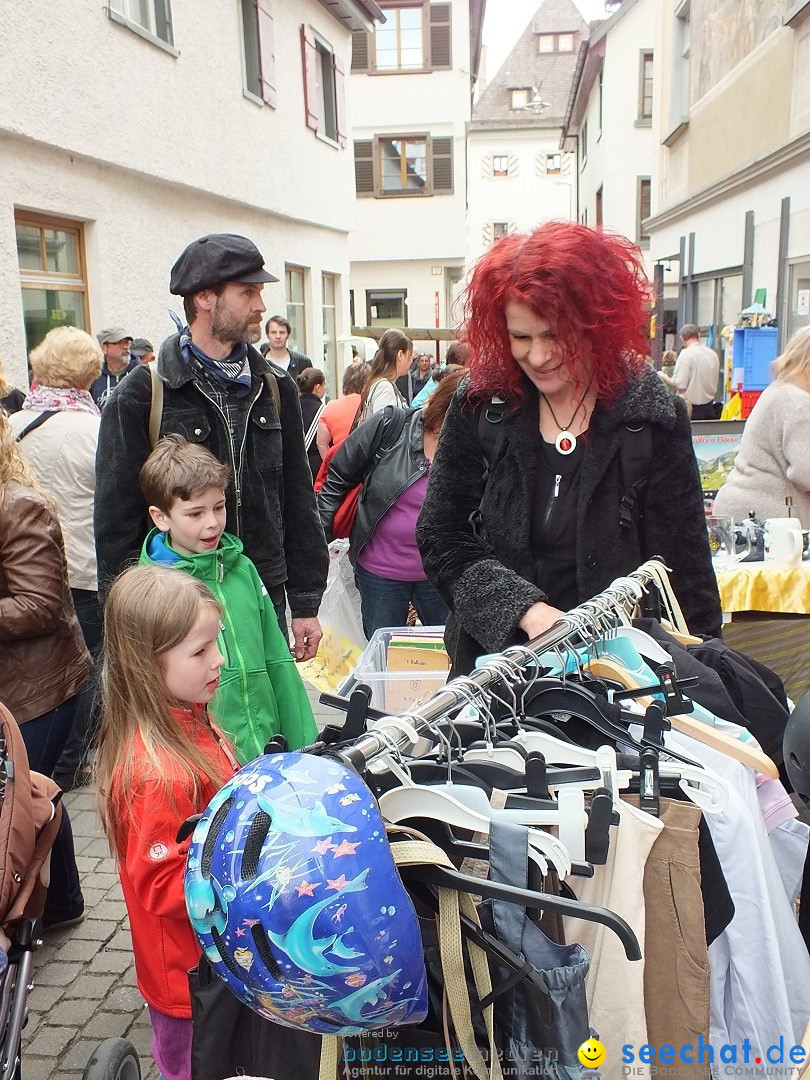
(113, 1059)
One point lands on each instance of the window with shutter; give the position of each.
(442, 156)
(267, 52)
(440, 51)
(359, 50)
(364, 166)
(399, 42)
(309, 55)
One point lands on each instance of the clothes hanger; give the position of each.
(677, 626)
(404, 803)
(688, 725)
(411, 800)
(445, 877)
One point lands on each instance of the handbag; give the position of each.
(346, 513)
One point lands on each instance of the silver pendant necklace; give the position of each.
(566, 441)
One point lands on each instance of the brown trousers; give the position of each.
(676, 963)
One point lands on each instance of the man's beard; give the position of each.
(225, 327)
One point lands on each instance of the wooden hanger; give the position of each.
(603, 668)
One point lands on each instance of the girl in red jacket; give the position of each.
(159, 761)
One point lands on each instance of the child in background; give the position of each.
(260, 691)
(159, 761)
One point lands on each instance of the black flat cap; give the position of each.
(215, 259)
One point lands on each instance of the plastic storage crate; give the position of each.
(395, 691)
(754, 350)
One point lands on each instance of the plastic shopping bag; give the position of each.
(343, 639)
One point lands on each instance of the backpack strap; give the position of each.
(38, 421)
(490, 437)
(156, 404)
(635, 457)
(490, 431)
(272, 385)
(313, 427)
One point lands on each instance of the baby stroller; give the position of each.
(30, 816)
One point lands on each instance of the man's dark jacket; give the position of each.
(103, 386)
(298, 361)
(488, 592)
(276, 517)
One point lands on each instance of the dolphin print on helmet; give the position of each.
(293, 894)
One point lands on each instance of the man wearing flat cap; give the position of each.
(219, 391)
(115, 344)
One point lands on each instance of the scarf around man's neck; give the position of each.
(232, 373)
(60, 399)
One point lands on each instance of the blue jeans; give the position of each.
(384, 602)
(45, 737)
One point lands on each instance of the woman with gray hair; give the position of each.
(57, 433)
(773, 462)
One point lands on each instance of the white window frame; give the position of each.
(127, 13)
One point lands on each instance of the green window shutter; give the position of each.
(359, 50)
(364, 166)
(440, 27)
(442, 156)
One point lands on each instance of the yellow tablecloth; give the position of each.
(766, 587)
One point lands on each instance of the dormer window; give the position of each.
(520, 98)
(556, 43)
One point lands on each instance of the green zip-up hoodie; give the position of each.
(260, 692)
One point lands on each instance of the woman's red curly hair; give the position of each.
(591, 288)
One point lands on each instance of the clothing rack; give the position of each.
(577, 626)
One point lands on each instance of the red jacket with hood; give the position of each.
(153, 864)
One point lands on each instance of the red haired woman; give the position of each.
(556, 326)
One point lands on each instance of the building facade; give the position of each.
(410, 96)
(169, 119)
(609, 122)
(731, 199)
(518, 175)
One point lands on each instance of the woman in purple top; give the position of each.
(390, 454)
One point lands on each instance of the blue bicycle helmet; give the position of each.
(293, 894)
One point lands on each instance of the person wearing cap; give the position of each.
(115, 344)
(219, 391)
(143, 350)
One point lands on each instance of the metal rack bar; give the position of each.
(567, 630)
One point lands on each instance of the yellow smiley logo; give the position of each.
(592, 1054)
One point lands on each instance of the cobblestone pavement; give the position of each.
(84, 976)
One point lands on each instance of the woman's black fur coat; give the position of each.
(489, 594)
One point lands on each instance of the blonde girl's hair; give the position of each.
(794, 363)
(149, 610)
(13, 467)
(67, 357)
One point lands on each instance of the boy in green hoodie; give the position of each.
(260, 692)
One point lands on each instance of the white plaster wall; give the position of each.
(719, 228)
(134, 230)
(95, 88)
(438, 102)
(414, 275)
(624, 151)
(525, 198)
(151, 150)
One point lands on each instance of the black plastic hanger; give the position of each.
(445, 877)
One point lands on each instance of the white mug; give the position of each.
(783, 541)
